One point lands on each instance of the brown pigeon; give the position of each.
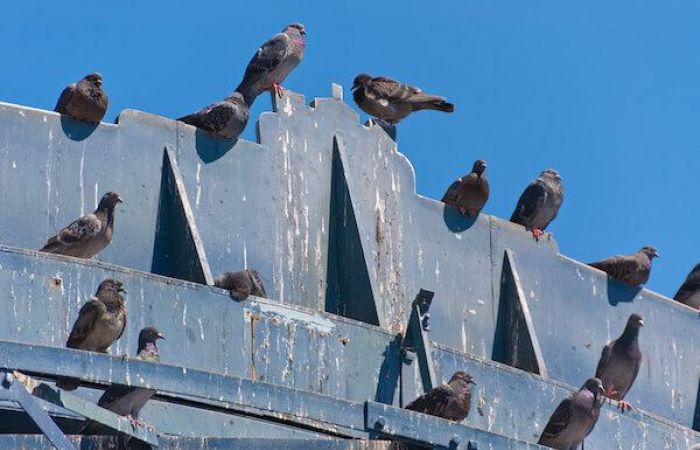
(689, 292)
(242, 284)
(225, 119)
(273, 62)
(632, 270)
(85, 100)
(540, 202)
(469, 193)
(100, 323)
(90, 234)
(620, 361)
(391, 101)
(128, 400)
(450, 401)
(574, 418)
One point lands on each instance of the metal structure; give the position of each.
(326, 210)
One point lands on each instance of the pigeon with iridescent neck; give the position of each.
(273, 62)
(128, 400)
(632, 270)
(539, 203)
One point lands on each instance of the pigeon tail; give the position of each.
(438, 105)
(191, 119)
(67, 384)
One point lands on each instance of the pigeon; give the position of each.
(632, 270)
(540, 202)
(242, 284)
(85, 100)
(391, 101)
(225, 119)
(450, 401)
(128, 400)
(689, 292)
(273, 62)
(619, 363)
(100, 323)
(89, 235)
(574, 418)
(470, 193)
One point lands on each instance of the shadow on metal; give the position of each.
(76, 130)
(211, 149)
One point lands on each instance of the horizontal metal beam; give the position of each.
(389, 421)
(281, 404)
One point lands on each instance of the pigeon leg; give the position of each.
(624, 405)
(536, 233)
(277, 89)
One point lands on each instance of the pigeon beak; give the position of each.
(160, 336)
(641, 323)
(657, 254)
(122, 290)
(119, 200)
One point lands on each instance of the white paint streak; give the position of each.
(198, 183)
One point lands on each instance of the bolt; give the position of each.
(380, 423)
(455, 442)
(8, 379)
(472, 446)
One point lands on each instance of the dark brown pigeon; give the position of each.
(632, 270)
(225, 119)
(574, 418)
(89, 235)
(469, 193)
(100, 323)
(391, 101)
(619, 363)
(242, 284)
(128, 400)
(85, 100)
(273, 62)
(450, 401)
(689, 292)
(540, 202)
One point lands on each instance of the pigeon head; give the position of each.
(551, 174)
(111, 285)
(635, 321)
(149, 335)
(594, 385)
(650, 251)
(109, 200)
(361, 80)
(295, 28)
(463, 376)
(479, 167)
(94, 78)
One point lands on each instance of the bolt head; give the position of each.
(455, 442)
(472, 446)
(380, 423)
(8, 379)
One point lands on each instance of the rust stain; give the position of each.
(345, 340)
(55, 282)
(254, 319)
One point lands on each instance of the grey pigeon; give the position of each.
(540, 202)
(225, 119)
(100, 323)
(273, 62)
(242, 284)
(90, 234)
(469, 193)
(85, 100)
(450, 401)
(574, 418)
(632, 270)
(128, 400)
(391, 101)
(689, 292)
(620, 361)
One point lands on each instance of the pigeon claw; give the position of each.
(623, 405)
(537, 233)
(277, 89)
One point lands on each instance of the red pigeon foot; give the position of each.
(277, 89)
(624, 405)
(536, 233)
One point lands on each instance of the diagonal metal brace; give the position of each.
(416, 341)
(88, 409)
(15, 391)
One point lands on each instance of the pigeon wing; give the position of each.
(532, 198)
(88, 315)
(557, 422)
(452, 193)
(604, 360)
(619, 267)
(267, 58)
(85, 227)
(65, 97)
(434, 402)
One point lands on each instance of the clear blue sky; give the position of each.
(606, 92)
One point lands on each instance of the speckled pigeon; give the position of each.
(273, 62)
(574, 418)
(100, 322)
(450, 401)
(632, 270)
(242, 284)
(225, 119)
(689, 292)
(128, 400)
(469, 193)
(85, 100)
(90, 234)
(540, 202)
(391, 101)
(620, 361)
